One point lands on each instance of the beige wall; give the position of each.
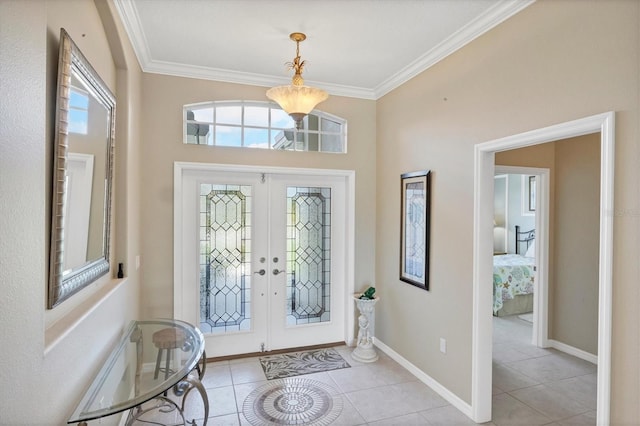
(576, 206)
(553, 62)
(574, 166)
(42, 381)
(164, 97)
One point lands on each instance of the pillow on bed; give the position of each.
(531, 251)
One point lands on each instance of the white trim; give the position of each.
(349, 175)
(249, 78)
(350, 252)
(572, 350)
(484, 163)
(132, 25)
(540, 332)
(441, 390)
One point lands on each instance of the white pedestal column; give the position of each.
(365, 352)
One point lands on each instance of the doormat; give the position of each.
(299, 363)
(295, 401)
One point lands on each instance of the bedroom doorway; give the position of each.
(521, 226)
(601, 125)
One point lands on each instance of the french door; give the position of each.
(263, 259)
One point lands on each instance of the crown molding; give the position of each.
(133, 27)
(478, 26)
(474, 29)
(252, 79)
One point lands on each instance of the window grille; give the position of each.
(261, 125)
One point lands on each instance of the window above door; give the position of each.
(254, 124)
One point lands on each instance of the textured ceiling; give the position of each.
(359, 48)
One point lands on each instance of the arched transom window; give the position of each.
(261, 125)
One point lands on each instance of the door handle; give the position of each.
(260, 272)
(278, 271)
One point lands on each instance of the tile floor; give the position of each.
(532, 386)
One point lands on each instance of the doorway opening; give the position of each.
(530, 240)
(483, 219)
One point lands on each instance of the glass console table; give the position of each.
(152, 358)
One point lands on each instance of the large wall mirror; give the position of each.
(82, 175)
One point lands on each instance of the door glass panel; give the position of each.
(308, 255)
(225, 258)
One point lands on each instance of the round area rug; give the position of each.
(293, 401)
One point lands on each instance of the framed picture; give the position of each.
(532, 193)
(414, 228)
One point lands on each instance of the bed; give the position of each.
(513, 277)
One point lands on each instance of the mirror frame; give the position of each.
(61, 287)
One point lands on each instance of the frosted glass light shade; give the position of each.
(297, 101)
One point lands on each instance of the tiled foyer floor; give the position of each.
(531, 387)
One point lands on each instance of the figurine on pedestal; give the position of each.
(364, 352)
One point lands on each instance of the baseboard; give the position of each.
(452, 398)
(578, 353)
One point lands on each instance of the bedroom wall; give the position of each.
(553, 62)
(164, 97)
(47, 359)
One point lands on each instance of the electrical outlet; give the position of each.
(443, 345)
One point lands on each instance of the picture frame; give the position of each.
(414, 228)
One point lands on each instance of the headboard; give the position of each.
(524, 237)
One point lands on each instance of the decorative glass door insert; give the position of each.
(225, 258)
(308, 255)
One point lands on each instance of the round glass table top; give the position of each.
(151, 357)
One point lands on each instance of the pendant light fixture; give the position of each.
(296, 99)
